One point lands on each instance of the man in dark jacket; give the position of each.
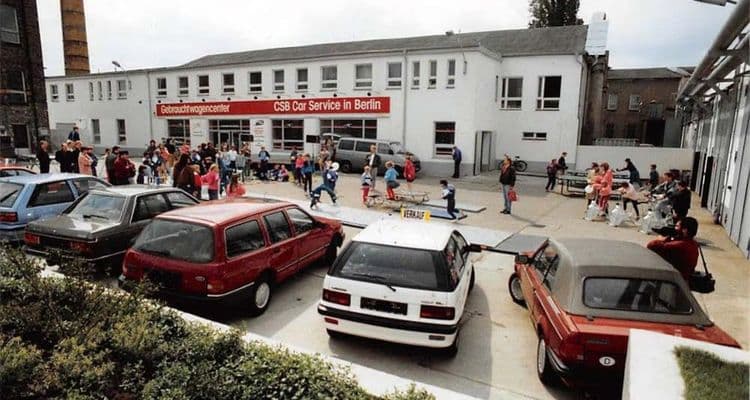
(43, 157)
(109, 164)
(680, 200)
(62, 157)
(680, 249)
(373, 161)
(74, 136)
(635, 176)
(561, 165)
(653, 177)
(124, 169)
(457, 156)
(508, 182)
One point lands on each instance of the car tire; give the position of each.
(331, 252)
(514, 288)
(472, 280)
(335, 334)
(543, 368)
(346, 167)
(260, 295)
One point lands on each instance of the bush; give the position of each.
(67, 338)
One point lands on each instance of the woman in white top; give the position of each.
(629, 195)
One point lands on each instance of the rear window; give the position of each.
(346, 145)
(396, 266)
(9, 193)
(99, 206)
(177, 240)
(641, 295)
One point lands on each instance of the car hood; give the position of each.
(73, 227)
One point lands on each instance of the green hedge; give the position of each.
(66, 338)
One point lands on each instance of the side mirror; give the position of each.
(522, 259)
(474, 248)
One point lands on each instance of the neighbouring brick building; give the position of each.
(23, 103)
(639, 108)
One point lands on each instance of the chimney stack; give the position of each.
(75, 45)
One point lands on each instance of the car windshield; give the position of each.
(9, 193)
(397, 148)
(633, 294)
(177, 240)
(99, 206)
(395, 266)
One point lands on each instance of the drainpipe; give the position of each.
(148, 101)
(405, 91)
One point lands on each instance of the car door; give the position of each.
(49, 199)
(146, 207)
(456, 264)
(283, 252)
(544, 308)
(83, 185)
(245, 258)
(311, 241)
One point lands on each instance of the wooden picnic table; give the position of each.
(578, 180)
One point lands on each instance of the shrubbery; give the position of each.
(66, 338)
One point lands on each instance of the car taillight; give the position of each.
(81, 247)
(8, 217)
(437, 312)
(30, 238)
(571, 348)
(331, 296)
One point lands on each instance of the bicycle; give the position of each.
(519, 164)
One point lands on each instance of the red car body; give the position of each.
(240, 248)
(583, 336)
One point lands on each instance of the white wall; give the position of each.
(665, 158)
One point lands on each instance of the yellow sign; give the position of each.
(411, 213)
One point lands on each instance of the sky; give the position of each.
(151, 33)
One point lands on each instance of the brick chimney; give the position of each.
(75, 45)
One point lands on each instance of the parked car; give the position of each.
(230, 252)
(101, 225)
(400, 281)
(14, 170)
(26, 198)
(584, 296)
(351, 154)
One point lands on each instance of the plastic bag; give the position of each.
(591, 212)
(618, 216)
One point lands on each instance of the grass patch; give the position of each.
(707, 376)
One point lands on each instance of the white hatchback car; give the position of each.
(400, 281)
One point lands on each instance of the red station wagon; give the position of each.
(231, 251)
(584, 296)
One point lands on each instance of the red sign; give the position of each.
(336, 105)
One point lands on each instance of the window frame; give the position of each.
(279, 86)
(100, 90)
(5, 85)
(122, 91)
(300, 85)
(254, 88)
(271, 237)
(91, 91)
(328, 85)
(446, 149)
(541, 100)
(225, 88)
(281, 144)
(34, 196)
(505, 99)
(70, 95)
(161, 91)
(535, 136)
(362, 83)
(122, 135)
(395, 82)
(109, 90)
(450, 81)
(54, 92)
(415, 74)
(96, 131)
(243, 252)
(432, 74)
(612, 101)
(151, 216)
(203, 90)
(10, 31)
(183, 91)
(294, 224)
(634, 105)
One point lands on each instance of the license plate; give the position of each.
(383, 306)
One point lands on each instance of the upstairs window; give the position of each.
(511, 94)
(54, 93)
(432, 80)
(548, 95)
(99, 91)
(394, 75)
(415, 75)
(161, 87)
(329, 78)
(278, 80)
(109, 90)
(9, 25)
(122, 136)
(255, 80)
(363, 76)
(612, 102)
(13, 83)
(182, 86)
(203, 88)
(445, 138)
(91, 91)
(227, 81)
(96, 131)
(302, 79)
(451, 82)
(634, 104)
(70, 94)
(122, 92)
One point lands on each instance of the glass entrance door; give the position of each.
(230, 131)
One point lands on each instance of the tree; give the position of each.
(546, 13)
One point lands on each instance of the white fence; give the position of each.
(665, 158)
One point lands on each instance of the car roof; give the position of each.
(134, 190)
(406, 233)
(587, 258)
(43, 178)
(221, 212)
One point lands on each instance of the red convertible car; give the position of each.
(584, 296)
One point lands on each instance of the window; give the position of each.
(54, 94)
(360, 128)
(244, 238)
(148, 207)
(287, 133)
(277, 227)
(301, 221)
(301, 79)
(51, 193)
(432, 80)
(121, 134)
(395, 73)
(109, 90)
(177, 240)
(611, 102)
(641, 295)
(91, 91)
(70, 94)
(203, 89)
(363, 76)
(384, 148)
(122, 89)
(20, 135)
(346, 145)
(179, 200)
(86, 184)
(548, 96)
(256, 82)
(415, 75)
(9, 25)
(546, 263)
(634, 104)
(13, 83)
(511, 94)
(534, 136)
(445, 137)
(455, 258)
(99, 91)
(363, 146)
(227, 81)
(9, 193)
(278, 80)
(99, 205)
(96, 131)
(329, 78)
(161, 87)
(451, 82)
(178, 130)
(182, 86)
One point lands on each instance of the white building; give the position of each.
(520, 92)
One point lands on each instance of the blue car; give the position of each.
(31, 197)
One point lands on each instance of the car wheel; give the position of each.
(471, 280)
(543, 369)
(514, 288)
(335, 334)
(346, 167)
(260, 295)
(331, 252)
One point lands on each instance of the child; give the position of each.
(366, 180)
(449, 194)
(410, 171)
(283, 174)
(299, 162)
(551, 176)
(390, 180)
(197, 184)
(235, 189)
(329, 184)
(212, 180)
(142, 177)
(629, 195)
(274, 173)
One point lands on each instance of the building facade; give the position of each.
(520, 92)
(23, 103)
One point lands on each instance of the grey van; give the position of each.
(351, 154)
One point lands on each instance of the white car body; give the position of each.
(411, 328)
